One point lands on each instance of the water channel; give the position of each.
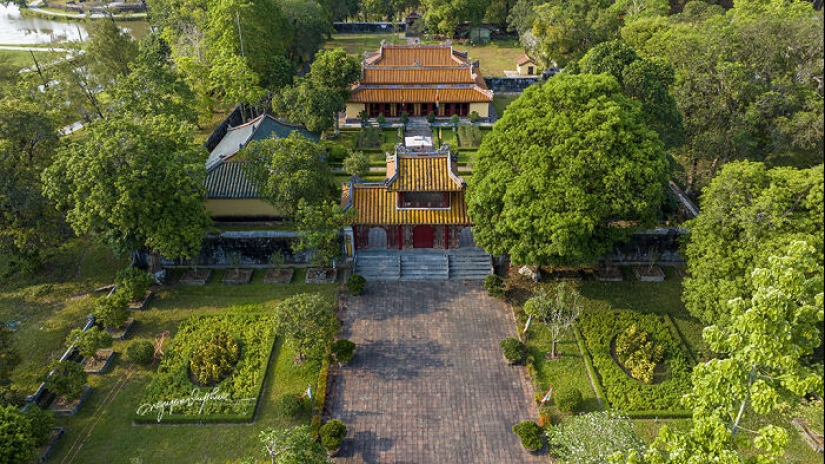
(16, 29)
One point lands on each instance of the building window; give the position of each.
(423, 200)
(530, 70)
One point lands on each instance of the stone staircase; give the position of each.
(474, 266)
(378, 267)
(420, 265)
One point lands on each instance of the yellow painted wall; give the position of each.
(483, 109)
(240, 207)
(353, 109)
(522, 69)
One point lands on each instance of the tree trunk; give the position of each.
(553, 350)
(735, 427)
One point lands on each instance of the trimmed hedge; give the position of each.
(588, 364)
(140, 352)
(234, 399)
(624, 392)
(530, 434)
(512, 349)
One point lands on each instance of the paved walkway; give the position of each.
(428, 384)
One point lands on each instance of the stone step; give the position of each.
(470, 267)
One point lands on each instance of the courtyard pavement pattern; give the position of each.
(428, 384)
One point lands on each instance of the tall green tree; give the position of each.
(646, 81)
(22, 432)
(748, 213)
(154, 87)
(109, 52)
(87, 342)
(311, 25)
(315, 99)
(289, 170)
(762, 365)
(320, 227)
(135, 186)
(585, 174)
(307, 320)
(442, 16)
(28, 138)
(566, 29)
(748, 82)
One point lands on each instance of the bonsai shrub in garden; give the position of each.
(530, 434)
(343, 350)
(332, 433)
(88, 342)
(112, 311)
(133, 282)
(355, 284)
(474, 116)
(215, 359)
(431, 117)
(381, 120)
(638, 353)
(67, 380)
(140, 352)
(569, 400)
(512, 349)
(494, 286)
(291, 405)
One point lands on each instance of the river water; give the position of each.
(16, 29)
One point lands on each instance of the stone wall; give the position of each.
(663, 241)
(255, 248)
(509, 84)
(368, 28)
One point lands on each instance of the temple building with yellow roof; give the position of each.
(420, 204)
(419, 79)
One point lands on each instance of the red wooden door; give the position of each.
(423, 237)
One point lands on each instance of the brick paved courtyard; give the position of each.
(428, 384)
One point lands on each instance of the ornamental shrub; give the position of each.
(343, 350)
(332, 433)
(356, 284)
(140, 352)
(112, 311)
(494, 286)
(530, 434)
(431, 117)
(474, 116)
(291, 405)
(569, 400)
(381, 120)
(513, 349)
(133, 282)
(638, 353)
(214, 359)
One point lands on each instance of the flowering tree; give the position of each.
(593, 438)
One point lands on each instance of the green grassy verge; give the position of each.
(500, 103)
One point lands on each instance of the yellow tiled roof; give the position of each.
(424, 174)
(420, 95)
(414, 75)
(424, 55)
(375, 205)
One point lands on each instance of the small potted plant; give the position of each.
(530, 434)
(332, 433)
(512, 349)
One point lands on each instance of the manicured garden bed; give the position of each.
(173, 396)
(624, 392)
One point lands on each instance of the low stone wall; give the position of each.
(255, 248)
(509, 84)
(368, 27)
(663, 241)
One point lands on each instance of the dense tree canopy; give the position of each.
(748, 82)
(646, 81)
(28, 138)
(22, 432)
(442, 16)
(748, 212)
(133, 185)
(289, 170)
(307, 320)
(566, 29)
(762, 367)
(566, 173)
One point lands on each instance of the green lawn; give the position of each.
(49, 306)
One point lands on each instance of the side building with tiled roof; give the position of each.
(230, 196)
(419, 79)
(420, 204)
